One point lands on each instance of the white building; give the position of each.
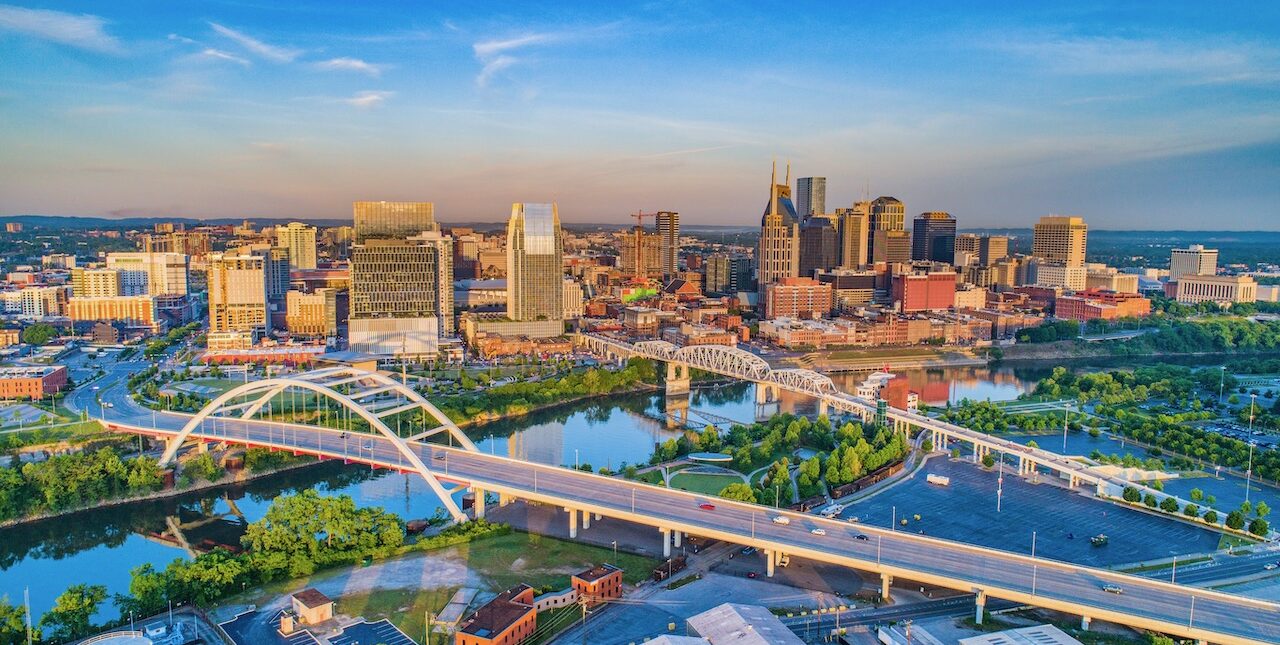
(150, 274)
(1222, 289)
(1194, 260)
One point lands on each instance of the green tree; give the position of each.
(738, 491)
(39, 334)
(72, 612)
(1169, 505)
(13, 622)
(1261, 509)
(1197, 494)
(1191, 510)
(1211, 516)
(1150, 500)
(1259, 527)
(1235, 520)
(1131, 494)
(988, 460)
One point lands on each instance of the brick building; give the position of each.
(31, 382)
(598, 584)
(1101, 305)
(797, 298)
(508, 619)
(932, 291)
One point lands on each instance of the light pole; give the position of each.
(577, 465)
(1000, 483)
(1066, 413)
(1248, 474)
(1222, 380)
(1033, 563)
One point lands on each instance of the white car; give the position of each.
(818, 531)
(1270, 566)
(778, 519)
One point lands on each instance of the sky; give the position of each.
(1134, 116)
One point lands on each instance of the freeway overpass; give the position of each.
(243, 416)
(743, 365)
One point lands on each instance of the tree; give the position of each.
(1235, 520)
(1211, 516)
(738, 491)
(1191, 510)
(1197, 495)
(39, 334)
(72, 612)
(1259, 527)
(13, 622)
(1169, 505)
(1150, 500)
(1131, 494)
(988, 461)
(1261, 510)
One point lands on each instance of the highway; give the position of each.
(1186, 611)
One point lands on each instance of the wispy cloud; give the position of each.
(257, 47)
(1193, 60)
(178, 38)
(84, 31)
(350, 65)
(494, 56)
(369, 99)
(218, 54)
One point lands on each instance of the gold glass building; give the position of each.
(393, 219)
(535, 265)
(1060, 239)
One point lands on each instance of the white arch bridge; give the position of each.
(369, 418)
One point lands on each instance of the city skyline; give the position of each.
(1132, 119)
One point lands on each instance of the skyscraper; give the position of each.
(854, 234)
(300, 239)
(1060, 239)
(238, 296)
(1195, 260)
(779, 255)
(727, 274)
(668, 225)
(409, 278)
(819, 246)
(884, 214)
(393, 219)
(641, 254)
(933, 237)
(535, 265)
(811, 196)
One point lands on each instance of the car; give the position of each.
(818, 531)
(748, 550)
(111, 405)
(707, 507)
(861, 536)
(1270, 565)
(95, 387)
(1112, 589)
(438, 455)
(368, 445)
(751, 574)
(778, 519)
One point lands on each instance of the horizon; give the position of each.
(1123, 116)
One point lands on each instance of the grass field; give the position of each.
(703, 483)
(405, 608)
(536, 560)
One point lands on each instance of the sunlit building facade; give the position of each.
(535, 249)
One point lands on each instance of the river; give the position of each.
(102, 546)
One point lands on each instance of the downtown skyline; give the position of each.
(1130, 118)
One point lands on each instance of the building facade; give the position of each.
(1061, 239)
(854, 235)
(668, 227)
(535, 265)
(811, 196)
(884, 214)
(779, 253)
(1194, 260)
(932, 291)
(1222, 289)
(933, 237)
(409, 278)
(797, 298)
(300, 239)
(393, 219)
(238, 295)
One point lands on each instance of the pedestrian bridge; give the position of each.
(370, 418)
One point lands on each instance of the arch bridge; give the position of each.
(358, 403)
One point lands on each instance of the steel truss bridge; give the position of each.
(370, 418)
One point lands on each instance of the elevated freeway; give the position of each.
(237, 417)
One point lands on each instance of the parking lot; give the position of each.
(379, 633)
(1063, 521)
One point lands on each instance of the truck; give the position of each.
(669, 568)
(938, 480)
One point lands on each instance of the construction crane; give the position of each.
(638, 267)
(640, 215)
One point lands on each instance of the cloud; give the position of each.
(492, 53)
(182, 39)
(257, 47)
(1197, 60)
(369, 99)
(350, 65)
(218, 54)
(84, 31)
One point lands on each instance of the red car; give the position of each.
(707, 507)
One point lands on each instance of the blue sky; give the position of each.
(1134, 116)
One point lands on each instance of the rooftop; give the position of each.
(495, 616)
(311, 598)
(597, 572)
(742, 625)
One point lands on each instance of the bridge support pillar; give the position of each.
(1072, 481)
(979, 605)
(1084, 623)
(678, 536)
(771, 559)
(1101, 489)
(1023, 466)
(666, 542)
(885, 581)
(573, 522)
(823, 408)
(478, 505)
(586, 520)
(677, 381)
(504, 499)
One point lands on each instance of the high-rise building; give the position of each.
(983, 250)
(668, 226)
(150, 274)
(853, 233)
(535, 264)
(641, 254)
(779, 255)
(727, 274)
(1060, 239)
(95, 283)
(890, 246)
(393, 219)
(238, 296)
(312, 314)
(924, 291)
(819, 245)
(192, 243)
(811, 196)
(933, 237)
(300, 239)
(403, 279)
(884, 214)
(1194, 260)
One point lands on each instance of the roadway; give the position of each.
(1190, 612)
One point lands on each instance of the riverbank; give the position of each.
(1071, 350)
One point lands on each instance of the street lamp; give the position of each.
(1222, 379)
(1066, 412)
(1248, 474)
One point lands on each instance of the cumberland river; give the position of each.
(102, 546)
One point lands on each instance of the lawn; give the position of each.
(538, 561)
(710, 484)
